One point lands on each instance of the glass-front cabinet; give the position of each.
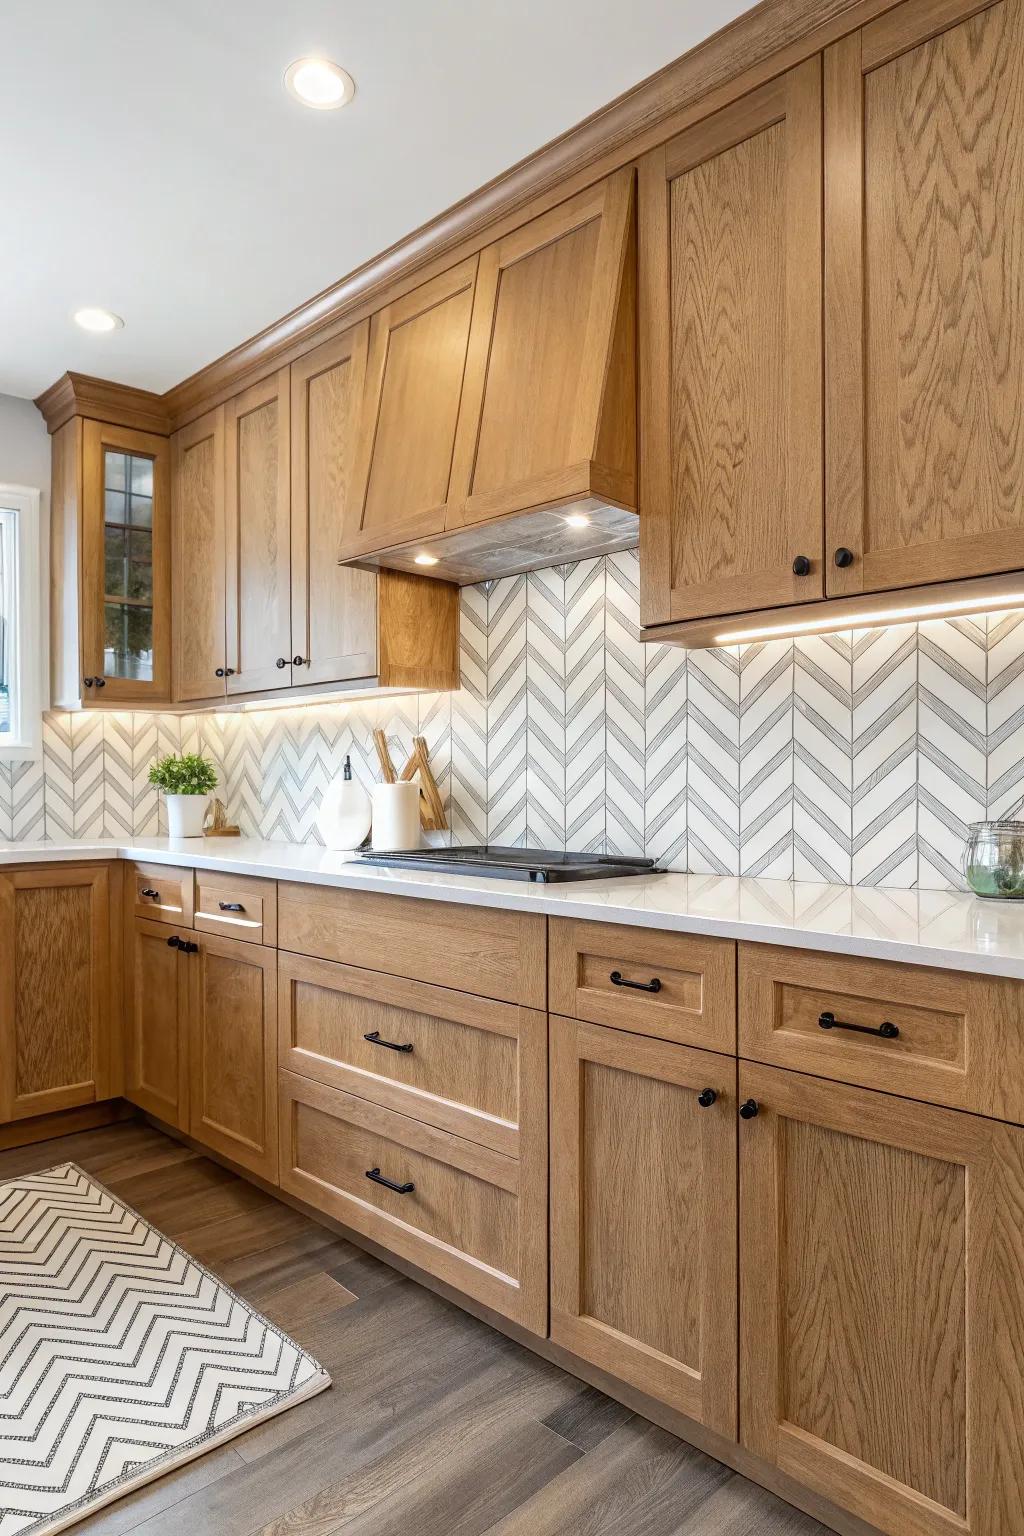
(125, 566)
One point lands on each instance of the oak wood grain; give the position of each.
(161, 892)
(199, 558)
(215, 893)
(157, 1036)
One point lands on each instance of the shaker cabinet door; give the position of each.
(198, 580)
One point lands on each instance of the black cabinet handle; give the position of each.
(300, 661)
(618, 980)
(801, 566)
(748, 1109)
(706, 1098)
(887, 1030)
(220, 672)
(88, 681)
(231, 906)
(174, 942)
(843, 557)
(149, 891)
(399, 1189)
(375, 1039)
(282, 661)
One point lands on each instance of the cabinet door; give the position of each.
(257, 494)
(233, 1051)
(125, 574)
(550, 382)
(881, 1295)
(414, 376)
(199, 559)
(924, 213)
(334, 607)
(56, 1017)
(157, 1054)
(731, 359)
(643, 1215)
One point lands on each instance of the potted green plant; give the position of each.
(187, 783)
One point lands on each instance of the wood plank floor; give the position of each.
(436, 1425)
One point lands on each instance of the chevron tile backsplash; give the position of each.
(851, 758)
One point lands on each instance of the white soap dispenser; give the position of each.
(344, 815)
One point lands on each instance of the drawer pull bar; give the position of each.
(887, 1031)
(399, 1189)
(390, 1045)
(231, 906)
(618, 980)
(149, 891)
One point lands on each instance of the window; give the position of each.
(128, 566)
(22, 624)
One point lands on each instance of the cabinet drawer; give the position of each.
(236, 906)
(465, 1064)
(670, 985)
(473, 949)
(163, 893)
(942, 1036)
(464, 1213)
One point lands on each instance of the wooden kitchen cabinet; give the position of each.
(199, 575)
(157, 1006)
(233, 1050)
(257, 495)
(414, 380)
(924, 210)
(334, 607)
(643, 1215)
(730, 357)
(881, 1294)
(59, 988)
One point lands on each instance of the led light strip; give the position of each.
(875, 618)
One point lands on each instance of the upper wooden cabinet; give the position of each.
(501, 391)
(333, 606)
(59, 988)
(110, 579)
(730, 357)
(199, 580)
(924, 136)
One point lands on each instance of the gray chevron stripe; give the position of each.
(106, 1322)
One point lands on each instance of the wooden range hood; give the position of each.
(498, 428)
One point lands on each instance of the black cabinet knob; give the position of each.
(174, 942)
(88, 681)
(748, 1109)
(299, 661)
(189, 948)
(843, 557)
(151, 892)
(282, 661)
(801, 566)
(706, 1098)
(101, 682)
(229, 671)
(220, 672)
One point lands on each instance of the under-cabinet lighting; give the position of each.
(577, 520)
(874, 618)
(93, 319)
(320, 84)
(425, 559)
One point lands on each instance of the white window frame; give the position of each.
(30, 627)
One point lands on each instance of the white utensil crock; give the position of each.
(396, 817)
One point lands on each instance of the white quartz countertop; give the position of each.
(940, 928)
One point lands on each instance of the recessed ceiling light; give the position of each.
(91, 319)
(319, 83)
(577, 520)
(425, 560)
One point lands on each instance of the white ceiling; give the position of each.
(151, 162)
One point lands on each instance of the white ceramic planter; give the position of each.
(185, 814)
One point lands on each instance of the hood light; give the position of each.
(425, 559)
(577, 520)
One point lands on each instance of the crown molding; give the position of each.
(79, 394)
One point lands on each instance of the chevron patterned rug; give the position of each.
(120, 1356)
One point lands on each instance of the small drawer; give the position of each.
(945, 1037)
(237, 907)
(163, 893)
(670, 985)
(460, 1211)
(466, 1064)
(483, 950)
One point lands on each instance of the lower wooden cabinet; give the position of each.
(59, 943)
(882, 1303)
(643, 1214)
(233, 1051)
(157, 1033)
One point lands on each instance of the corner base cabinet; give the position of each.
(882, 1303)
